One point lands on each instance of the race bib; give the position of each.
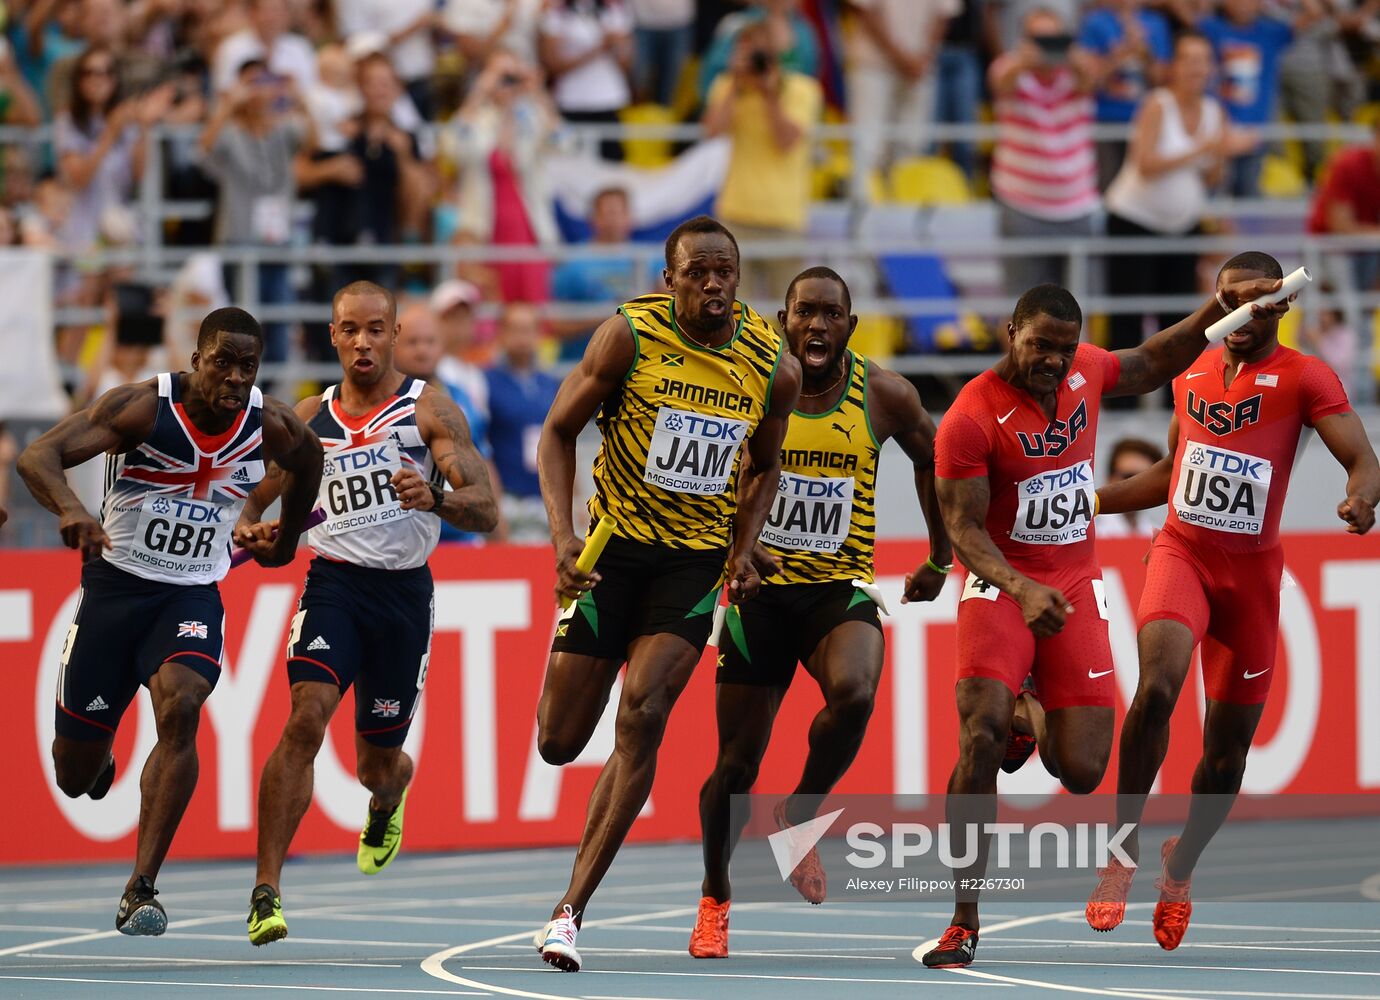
(1223, 490)
(179, 535)
(270, 219)
(811, 513)
(1056, 507)
(975, 588)
(692, 452)
(357, 489)
(531, 437)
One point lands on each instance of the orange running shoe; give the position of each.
(1107, 904)
(1174, 908)
(808, 876)
(709, 939)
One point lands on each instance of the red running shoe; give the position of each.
(1174, 908)
(808, 876)
(1107, 904)
(709, 939)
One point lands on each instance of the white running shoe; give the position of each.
(556, 942)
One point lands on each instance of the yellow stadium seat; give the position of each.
(928, 180)
(877, 337)
(1289, 328)
(1281, 179)
(647, 152)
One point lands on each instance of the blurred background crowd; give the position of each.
(511, 167)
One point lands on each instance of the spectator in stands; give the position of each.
(100, 24)
(891, 55)
(1130, 457)
(789, 36)
(663, 35)
(251, 145)
(1133, 46)
(1179, 142)
(586, 48)
(481, 27)
(958, 80)
(1348, 204)
(1044, 169)
(769, 112)
(334, 99)
(9, 228)
(597, 279)
(267, 38)
(45, 34)
(1316, 73)
(520, 394)
(498, 138)
(1327, 334)
(99, 142)
(406, 26)
(1248, 48)
(18, 104)
(452, 308)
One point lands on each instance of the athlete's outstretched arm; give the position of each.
(117, 422)
(1345, 437)
(296, 450)
(470, 504)
(899, 414)
(758, 479)
(608, 360)
(964, 503)
(1145, 490)
(270, 488)
(1155, 362)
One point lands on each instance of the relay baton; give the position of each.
(594, 547)
(241, 556)
(1241, 315)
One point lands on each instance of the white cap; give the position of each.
(455, 292)
(365, 43)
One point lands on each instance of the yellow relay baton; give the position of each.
(594, 547)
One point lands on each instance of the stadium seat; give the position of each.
(928, 180)
(647, 152)
(1280, 178)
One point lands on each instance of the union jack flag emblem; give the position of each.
(387, 707)
(1077, 381)
(218, 477)
(191, 630)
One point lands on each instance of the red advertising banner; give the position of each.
(480, 782)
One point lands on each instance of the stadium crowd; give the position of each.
(425, 122)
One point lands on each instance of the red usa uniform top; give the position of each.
(1237, 444)
(1040, 472)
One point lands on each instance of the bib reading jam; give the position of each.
(823, 523)
(1040, 471)
(674, 432)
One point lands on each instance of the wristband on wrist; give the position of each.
(438, 497)
(1097, 504)
(941, 570)
(1222, 302)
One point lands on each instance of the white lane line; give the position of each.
(1253, 993)
(240, 986)
(1098, 991)
(729, 975)
(47, 929)
(1161, 967)
(214, 961)
(293, 939)
(1198, 925)
(102, 935)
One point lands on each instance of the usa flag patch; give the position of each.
(1077, 381)
(191, 630)
(387, 708)
(1267, 380)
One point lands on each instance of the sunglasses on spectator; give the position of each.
(98, 71)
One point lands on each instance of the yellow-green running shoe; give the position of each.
(381, 837)
(266, 923)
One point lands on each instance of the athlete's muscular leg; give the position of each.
(1078, 743)
(78, 763)
(847, 663)
(573, 698)
(1227, 733)
(745, 713)
(984, 716)
(286, 784)
(385, 771)
(1166, 651)
(170, 773)
(659, 666)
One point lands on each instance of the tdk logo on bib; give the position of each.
(1223, 490)
(179, 534)
(692, 452)
(1055, 507)
(811, 513)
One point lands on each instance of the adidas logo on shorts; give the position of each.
(318, 643)
(97, 704)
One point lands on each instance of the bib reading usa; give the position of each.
(693, 453)
(1056, 507)
(1222, 489)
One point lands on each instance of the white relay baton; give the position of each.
(1241, 315)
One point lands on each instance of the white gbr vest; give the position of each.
(171, 503)
(365, 524)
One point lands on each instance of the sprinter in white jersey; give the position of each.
(366, 611)
(183, 451)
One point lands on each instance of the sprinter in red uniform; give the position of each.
(1215, 573)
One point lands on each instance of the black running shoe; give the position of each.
(104, 781)
(139, 912)
(955, 950)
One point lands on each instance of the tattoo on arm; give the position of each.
(470, 504)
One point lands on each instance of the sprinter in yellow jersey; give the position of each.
(693, 392)
(815, 553)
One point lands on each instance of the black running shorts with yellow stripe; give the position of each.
(644, 589)
(765, 638)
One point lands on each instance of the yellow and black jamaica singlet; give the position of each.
(823, 524)
(673, 434)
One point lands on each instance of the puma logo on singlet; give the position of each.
(845, 431)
